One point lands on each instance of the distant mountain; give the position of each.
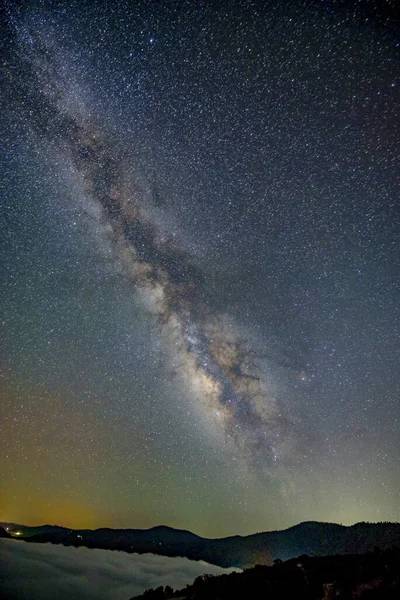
(25, 531)
(311, 538)
(4, 533)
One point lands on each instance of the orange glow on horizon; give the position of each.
(65, 512)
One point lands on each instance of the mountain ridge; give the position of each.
(314, 538)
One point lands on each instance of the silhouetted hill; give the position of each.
(27, 531)
(372, 576)
(4, 533)
(312, 538)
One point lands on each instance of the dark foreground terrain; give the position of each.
(312, 538)
(370, 576)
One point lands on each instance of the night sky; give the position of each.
(200, 264)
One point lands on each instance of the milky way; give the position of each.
(212, 359)
(201, 308)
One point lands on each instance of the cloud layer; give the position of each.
(48, 571)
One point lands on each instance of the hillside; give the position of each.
(372, 576)
(4, 533)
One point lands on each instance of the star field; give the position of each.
(200, 256)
